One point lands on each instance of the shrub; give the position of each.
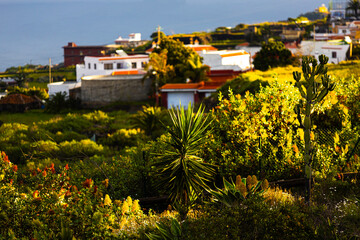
(255, 134)
(49, 206)
(123, 138)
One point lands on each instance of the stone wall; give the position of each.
(102, 90)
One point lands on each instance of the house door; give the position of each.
(183, 98)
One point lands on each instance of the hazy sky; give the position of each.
(32, 31)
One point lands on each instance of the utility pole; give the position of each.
(50, 80)
(158, 30)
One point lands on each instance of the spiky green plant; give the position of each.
(180, 170)
(313, 89)
(166, 232)
(234, 193)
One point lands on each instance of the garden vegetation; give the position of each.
(90, 175)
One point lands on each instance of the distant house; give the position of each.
(19, 103)
(106, 65)
(237, 60)
(74, 54)
(115, 67)
(252, 50)
(176, 94)
(335, 51)
(134, 40)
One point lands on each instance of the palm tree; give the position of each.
(195, 70)
(353, 5)
(180, 170)
(159, 68)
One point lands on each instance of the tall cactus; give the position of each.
(313, 88)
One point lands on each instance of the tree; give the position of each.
(20, 77)
(180, 170)
(353, 5)
(158, 67)
(315, 86)
(177, 56)
(272, 54)
(195, 70)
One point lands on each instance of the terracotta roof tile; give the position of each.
(17, 99)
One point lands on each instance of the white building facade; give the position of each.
(237, 60)
(109, 65)
(335, 51)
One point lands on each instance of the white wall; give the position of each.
(174, 99)
(89, 69)
(61, 87)
(321, 47)
(218, 60)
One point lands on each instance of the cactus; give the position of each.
(313, 89)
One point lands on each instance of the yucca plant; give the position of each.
(180, 170)
(234, 193)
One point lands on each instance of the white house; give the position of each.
(108, 65)
(237, 60)
(335, 51)
(120, 64)
(134, 40)
(176, 94)
(63, 87)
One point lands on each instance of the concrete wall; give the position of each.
(102, 90)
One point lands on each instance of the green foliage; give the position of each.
(60, 102)
(240, 85)
(234, 194)
(166, 232)
(38, 92)
(20, 76)
(177, 56)
(312, 91)
(272, 54)
(149, 120)
(159, 69)
(122, 138)
(255, 134)
(195, 70)
(353, 5)
(50, 206)
(179, 169)
(252, 220)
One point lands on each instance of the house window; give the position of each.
(95, 66)
(133, 65)
(143, 64)
(81, 53)
(333, 54)
(119, 65)
(89, 65)
(108, 66)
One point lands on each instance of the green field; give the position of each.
(29, 117)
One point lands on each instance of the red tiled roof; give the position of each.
(17, 98)
(129, 72)
(199, 86)
(199, 48)
(119, 58)
(180, 86)
(244, 44)
(234, 54)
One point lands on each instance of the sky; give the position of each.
(32, 31)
